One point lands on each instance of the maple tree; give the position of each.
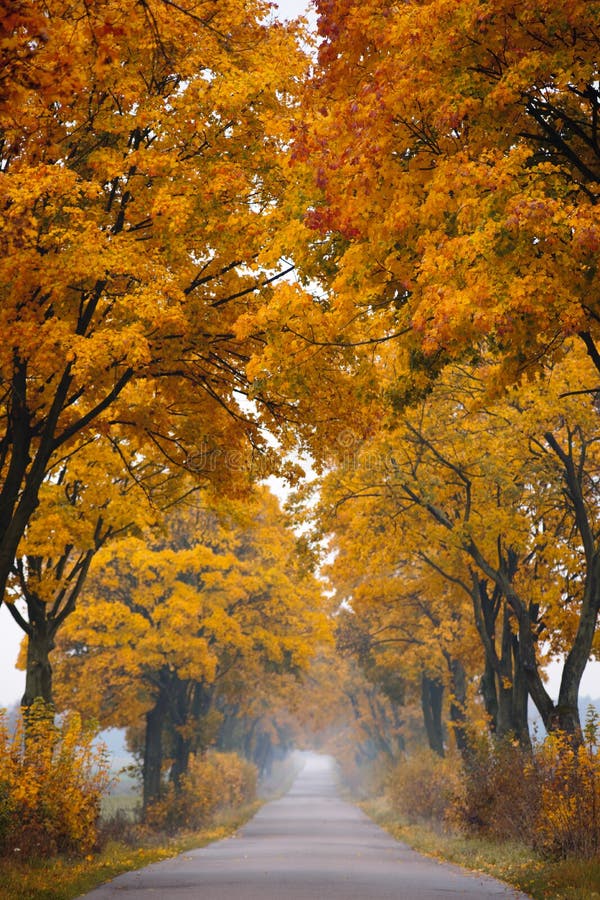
(403, 623)
(140, 171)
(90, 498)
(167, 621)
(455, 149)
(501, 504)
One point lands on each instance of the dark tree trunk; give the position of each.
(458, 701)
(520, 699)
(505, 679)
(182, 745)
(503, 685)
(153, 750)
(566, 714)
(44, 619)
(490, 694)
(432, 694)
(191, 703)
(38, 677)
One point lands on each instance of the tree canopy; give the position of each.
(141, 173)
(223, 246)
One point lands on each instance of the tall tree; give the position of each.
(455, 148)
(90, 499)
(407, 626)
(139, 179)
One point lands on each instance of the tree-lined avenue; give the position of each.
(308, 845)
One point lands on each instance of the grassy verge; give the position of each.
(540, 878)
(64, 879)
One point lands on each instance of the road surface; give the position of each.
(308, 845)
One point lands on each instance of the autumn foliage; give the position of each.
(222, 247)
(140, 179)
(455, 147)
(52, 780)
(213, 783)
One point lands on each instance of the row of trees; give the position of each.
(466, 541)
(187, 635)
(143, 190)
(431, 173)
(455, 147)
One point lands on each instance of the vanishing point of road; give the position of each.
(308, 845)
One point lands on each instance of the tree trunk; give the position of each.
(505, 680)
(432, 693)
(153, 750)
(191, 703)
(489, 694)
(458, 700)
(520, 699)
(566, 715)
(38, 677)
(504, 683)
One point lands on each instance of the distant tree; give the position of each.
(166, 619)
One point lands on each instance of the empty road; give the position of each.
(308, 845)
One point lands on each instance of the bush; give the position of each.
(52, 778)
(214, 782)
(548, 798)
(423, 786)
(499, 791)
(569, 820)
(362, 779)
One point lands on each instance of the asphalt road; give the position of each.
(308, 845)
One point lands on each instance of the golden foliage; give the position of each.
(214, 782)
(52, 779)
(219, 594)
(569, 817)
(142, 166)
(441, 522)
(548, 798)
(456, 173)
(422, 787)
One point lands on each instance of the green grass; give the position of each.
(65, 879)
(515, 864)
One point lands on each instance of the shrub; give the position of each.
(52, 778)
(213, 782)
(362, 779)
(569, 820)
(548, 798)
(422, 786)
(499, 790)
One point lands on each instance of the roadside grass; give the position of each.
(64, 879)
(513, 863)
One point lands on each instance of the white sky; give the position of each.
(290, 9)
(12, 683)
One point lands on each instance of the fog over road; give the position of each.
(308, 845)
